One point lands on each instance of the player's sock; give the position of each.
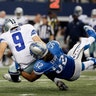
(89, 64)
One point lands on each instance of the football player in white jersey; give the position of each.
(18, 38)
(79, 12)
(19, 16)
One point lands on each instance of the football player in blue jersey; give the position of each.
(55, 64)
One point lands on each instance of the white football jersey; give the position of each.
(93, 23)
(83, 18)
(36, 26)
(21, 21)
(19, 41)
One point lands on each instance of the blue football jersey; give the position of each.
(61, 65)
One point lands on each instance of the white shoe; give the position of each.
(7, 77)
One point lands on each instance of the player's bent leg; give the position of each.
(71, 51)
(84, 44)
(92, 36)
(78, 66)
(77, 71)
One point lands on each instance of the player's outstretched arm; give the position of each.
(30, 77)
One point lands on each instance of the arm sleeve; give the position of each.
(38, 68)
(41, 67)
(33, 33)
(31, 30)
(2, 38)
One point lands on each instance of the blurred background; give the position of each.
(60, 20)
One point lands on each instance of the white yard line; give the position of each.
(39, 80)
(27, 94)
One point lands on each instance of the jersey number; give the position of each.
(61, 66)
(54, 4)
(18, 40)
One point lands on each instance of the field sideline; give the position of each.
(85, 86)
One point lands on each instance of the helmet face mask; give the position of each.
(9, 24)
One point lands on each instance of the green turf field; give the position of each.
(85, 86)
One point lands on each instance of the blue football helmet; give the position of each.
(38, 49)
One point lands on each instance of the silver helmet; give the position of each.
(18, 12)
(78, 10)
(93, 12)
(9, 24)
(38, 49)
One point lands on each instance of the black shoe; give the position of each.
(61, 85)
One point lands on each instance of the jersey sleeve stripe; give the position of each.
(1, 40)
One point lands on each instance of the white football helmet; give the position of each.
(93, 12)
(9, 24)
(18, 12)
(78, 10)
(38, 49)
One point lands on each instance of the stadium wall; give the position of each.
(32, 8)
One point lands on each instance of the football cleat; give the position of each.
(61, 85)
(8, 77)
